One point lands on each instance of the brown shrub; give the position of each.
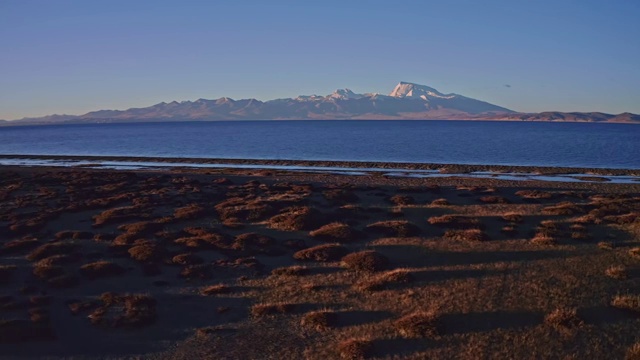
(141, 228)
(440, 202)
(509, 230)
(215, 289)
(385, 280)
(47, 271)
(455, 221)
(146, 252)
(580, 236)
(563, 208)
(319, 320)
(187, 259)
(260, 310)
(627, 302)
(402, 200)
(296, 219)
(322, 253)
(419, 324)
(355, 349)
(566, 318)
(205, 241)
(633, 353)
(119, 214)
(189, 212)
(101, 269)
(244, 209)
(46, 250)
(513, 217)
(542, 239)
(335, 232)
(605, 245)
(617, 272)
(291, 271)
(395, 228)
(368, 261)
(466, 235)
(55, 260)
(635, 252)
(534, 194)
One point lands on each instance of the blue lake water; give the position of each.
(451, 142)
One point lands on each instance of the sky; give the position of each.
(72, 57)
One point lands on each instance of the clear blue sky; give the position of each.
(72, 57)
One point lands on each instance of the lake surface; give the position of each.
(447, 142)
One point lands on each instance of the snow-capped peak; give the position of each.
(345, 94)
(411, 90)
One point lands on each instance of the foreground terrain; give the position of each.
(254, 264)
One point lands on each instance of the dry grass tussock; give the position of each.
(355, 349)
(322, 253)
(215, 289)
(296, 219)
(367, 261)
(419, 324)
(617, 272)
(627, 302)
(563, 318)
(472, 235)
(260, 310)
(335, 232)
(290, 271)
(319, 320)
(385, 280)
(395, 228)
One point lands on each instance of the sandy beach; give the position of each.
(233, 263)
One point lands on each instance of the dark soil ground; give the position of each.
(265, 264)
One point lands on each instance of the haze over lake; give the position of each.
(455, 142)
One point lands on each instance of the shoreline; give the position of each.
(441, 168)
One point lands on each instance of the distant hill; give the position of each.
(406, 101)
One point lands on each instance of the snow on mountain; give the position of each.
(345, 94)
(410, 90)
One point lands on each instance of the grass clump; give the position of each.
(618, 272)
(215, 289)
(513, 217)
(261, 310)
(627, 302)
(291, 271)
(395, 228)
(367, 261)
(322, 253)
(563, 318)
(402, 200)
(419, 324)
(336, 232)
(319, 320)
(440, 202)
(296, 219)
(355, 349)
(472, 235)
(385, 280)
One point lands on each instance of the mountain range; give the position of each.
(406, 101)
